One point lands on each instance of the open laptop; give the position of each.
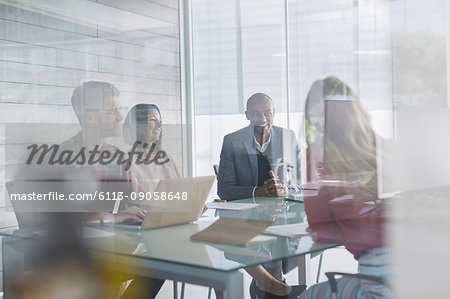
(188, 195)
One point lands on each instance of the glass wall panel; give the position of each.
(239, 49)
(346, 39)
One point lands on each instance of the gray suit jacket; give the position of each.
(238, 168)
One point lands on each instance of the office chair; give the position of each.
(359, 276)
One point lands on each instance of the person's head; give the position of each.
(335, 88)
(143, 124)
(260, 113)
(96, 105)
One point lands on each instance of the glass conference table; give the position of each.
(169, 253)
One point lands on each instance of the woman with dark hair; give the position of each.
(143, 128)
(347, 209)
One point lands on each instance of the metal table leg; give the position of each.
(304, 272)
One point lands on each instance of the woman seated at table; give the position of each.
(142, 130)
(347, 209)
(143, 125)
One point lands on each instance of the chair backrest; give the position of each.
(216, 169)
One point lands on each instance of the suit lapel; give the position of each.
(276, 143)
(251, 152)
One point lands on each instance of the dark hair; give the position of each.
(256, 97)
(91, 95)
(135, 125)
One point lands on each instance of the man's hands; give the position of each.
(272, 187)
(132, 215)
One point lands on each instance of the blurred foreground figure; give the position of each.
(346, 209)
(51, 261)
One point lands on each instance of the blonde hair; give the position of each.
(354, 142)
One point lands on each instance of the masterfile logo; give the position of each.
(52, 155)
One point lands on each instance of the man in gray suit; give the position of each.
(261, 159)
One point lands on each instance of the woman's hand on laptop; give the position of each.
(130, 215)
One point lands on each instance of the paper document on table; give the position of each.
(231, 205)
(236, 231)
(288, 230)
